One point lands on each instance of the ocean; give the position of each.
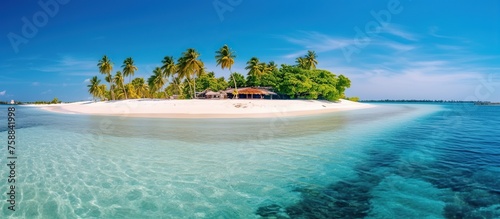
(391, 161)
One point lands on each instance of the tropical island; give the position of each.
(185, 88)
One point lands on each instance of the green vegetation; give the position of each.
(225, 58)
(239, 80)
(190, 66)
(54, 101)
(184, 78)
(209, 81)
(157, 81)
(95, 88)
(297, 82)
(129, 68)
(355, 99)
(105, 67)
(308, 61)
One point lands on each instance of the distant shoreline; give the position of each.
(487, 103)
(428, 101)
(198, 108)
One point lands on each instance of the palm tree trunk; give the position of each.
(194, 86)
(234, 80)
(125, 92)
(164, 91)
(189, 83)
(111, 87)
(112, 92)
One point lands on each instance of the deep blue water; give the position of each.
(392, 161)
(455, 150)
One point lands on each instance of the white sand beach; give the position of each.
(201, 108)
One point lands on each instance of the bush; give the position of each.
(55, 101)
(355, 99)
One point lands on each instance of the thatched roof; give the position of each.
(212, 93)
(251, 90)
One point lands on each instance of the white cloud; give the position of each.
(410, 78)
(316, 41)
(435, 32)
(414, 85)
(68, 65)
(3, 92)
(295, 54)
(47, 92)
(35, 83)
(86, 81)
(398, 47)
(398, 31)
(321, 43)
(389, 68)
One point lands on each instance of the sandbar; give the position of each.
(203, 108)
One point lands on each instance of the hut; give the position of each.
(215, 95)
(250, 92)
(208, 94)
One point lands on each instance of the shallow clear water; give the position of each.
(393, 161)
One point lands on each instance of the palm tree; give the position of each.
(177, 85)
(239, 78)
(271, 66)
(119, 94)
(131, 92)
(254, 67)
(129, 68)
(119, 82)
(94, 87)
(263, 68)
(255, 70)
(169, 67)
(225, 58)
(301, 62)
(109, 78)
(190, 65)
(140, 87)
(157, 80)
(183, 74)
(105, 67)
(310, 60)
(102, 91)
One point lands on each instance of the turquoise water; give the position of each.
(392, 161)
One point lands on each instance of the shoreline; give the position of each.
(202, 108)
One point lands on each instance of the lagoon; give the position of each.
(394, 160)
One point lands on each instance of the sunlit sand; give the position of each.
(226, 108)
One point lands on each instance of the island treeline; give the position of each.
(185, 77)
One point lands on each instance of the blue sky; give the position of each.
(391, 49)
